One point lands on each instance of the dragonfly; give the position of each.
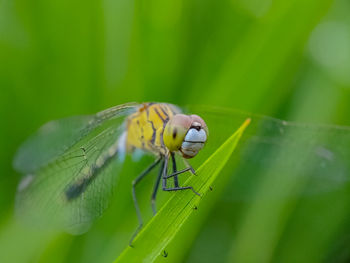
(79, 159)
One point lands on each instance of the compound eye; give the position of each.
(191, 149)
(196, 135)
(198, 122)
(194, 141)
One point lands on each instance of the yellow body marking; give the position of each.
(145, 127)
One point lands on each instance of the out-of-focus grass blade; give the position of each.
(164, 226)
(290, 194)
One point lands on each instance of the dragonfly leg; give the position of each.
(164, 173)
(189, 166)
(177, 173)
(134, 183)
(181, 188)
(155, 189)
(165, 178)
(176, 180)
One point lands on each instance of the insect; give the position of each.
(70, 165)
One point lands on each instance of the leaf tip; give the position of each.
(246, 123)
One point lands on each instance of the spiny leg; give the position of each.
(178, 172)
(189, 166)
(165, 177)
(155, 189)
(134, 183)
(180, 188)
(176, 180)
(164, 172)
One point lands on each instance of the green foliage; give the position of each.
(283, 196)
(163, 227)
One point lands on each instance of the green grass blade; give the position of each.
(153, 239)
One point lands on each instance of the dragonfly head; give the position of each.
(186, 134)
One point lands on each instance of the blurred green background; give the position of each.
(285, 59)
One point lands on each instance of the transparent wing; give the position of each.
(56, 137)
(71, 168)
(51, 140)
(298, 159)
